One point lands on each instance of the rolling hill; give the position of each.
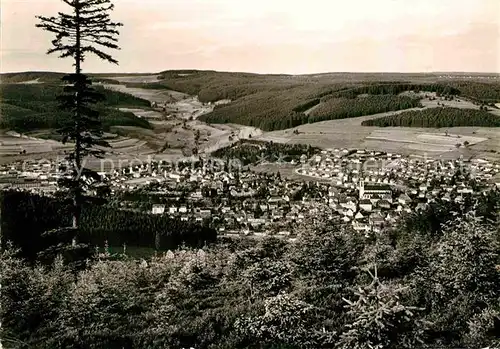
(269, 102)
(28, 107)
(275, 102)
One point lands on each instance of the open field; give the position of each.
(13, 143)
(422, 142)
(142, 78)
(176, 103)
(285, 170)
(179, 127)
(348, 133)
(169, 136)
(158, 96)
(232, 134)
(34, 81)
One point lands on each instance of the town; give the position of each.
(366, 190)
(230, 174)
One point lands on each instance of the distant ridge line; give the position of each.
(254, 73)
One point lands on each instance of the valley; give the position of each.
(177, 131)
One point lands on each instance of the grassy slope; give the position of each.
(26, 107)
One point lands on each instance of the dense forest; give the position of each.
(26, 217)
(252, 152)
(211, 86)
(271, 111)
(437, 117)
(341, 108)
(433, 281)
(27, 107)
(274, 102)
(266, 110)
(41, 77)
(484, 93)
(334, 108)
(394, 89)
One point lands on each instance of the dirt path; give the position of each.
(238, 132)
(184, 107)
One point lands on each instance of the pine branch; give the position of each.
(102, 55)
(94, 27)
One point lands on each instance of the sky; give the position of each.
(273, 36)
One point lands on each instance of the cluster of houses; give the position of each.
(346, 168)
(242, 202)
(31, 175)
(379, 205)
(365, 197)
(362, 189)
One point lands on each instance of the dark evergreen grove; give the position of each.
(270, 116)
(395, 89)
(437, 117)
(253, 152)
(26, 218)
(26, 108)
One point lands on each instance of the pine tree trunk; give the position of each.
(157, 240)
(1, 203)
(77, 192)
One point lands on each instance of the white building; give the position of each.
(158, 209)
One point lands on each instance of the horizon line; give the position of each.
(256, 73)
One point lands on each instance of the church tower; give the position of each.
(361, 189)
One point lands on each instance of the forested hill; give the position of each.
(273, 102)
(27, 107)
(12, 78)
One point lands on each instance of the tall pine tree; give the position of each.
(86, 30)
